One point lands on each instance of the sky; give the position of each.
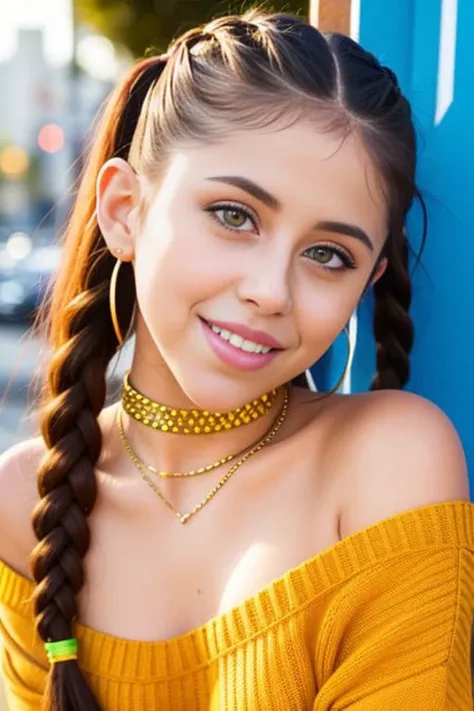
(95, 54)
(52, 15)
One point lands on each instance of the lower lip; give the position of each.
(233, 356)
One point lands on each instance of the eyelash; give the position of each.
(346, 259)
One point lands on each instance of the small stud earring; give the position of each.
(119, 251)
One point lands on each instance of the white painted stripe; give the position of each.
(446, 58)
(346, 386)
(355, 20)
(310, 380)
(314, 12)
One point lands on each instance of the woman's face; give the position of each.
(253, 254)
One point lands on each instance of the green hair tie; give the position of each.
(62, 651)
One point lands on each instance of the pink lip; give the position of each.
(248, 333)
(230, 355)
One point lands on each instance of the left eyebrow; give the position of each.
(342, 228)
(249, 187)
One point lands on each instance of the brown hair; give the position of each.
(236, 72)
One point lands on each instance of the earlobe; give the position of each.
(380, 271)
(117, 200)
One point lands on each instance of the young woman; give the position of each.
(223, 538)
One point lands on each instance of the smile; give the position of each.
(236, 351)
(238, 342)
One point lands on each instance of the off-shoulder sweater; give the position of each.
(381, 620)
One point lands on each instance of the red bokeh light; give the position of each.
(51, 138)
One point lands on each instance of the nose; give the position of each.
(266, 284)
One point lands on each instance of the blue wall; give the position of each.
(418, 39)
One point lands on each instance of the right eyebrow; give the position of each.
(342, 228)
(250, 187)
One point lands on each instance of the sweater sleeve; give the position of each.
(398, 636)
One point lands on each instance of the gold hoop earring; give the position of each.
(113, 307)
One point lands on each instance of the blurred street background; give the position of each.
(54, 74)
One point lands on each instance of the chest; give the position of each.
(155, 581)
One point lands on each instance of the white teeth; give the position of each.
(239, 342)
(236, 340)
(251, 347)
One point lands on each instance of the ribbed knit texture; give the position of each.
(382, 620)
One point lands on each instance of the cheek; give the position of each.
(177, 266)
(324, 310)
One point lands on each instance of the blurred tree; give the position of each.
(141, 25)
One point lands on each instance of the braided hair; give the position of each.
(237, 72)
(83, 343)
(393, 328)
(371, 92)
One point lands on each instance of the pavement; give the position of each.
(20, 357)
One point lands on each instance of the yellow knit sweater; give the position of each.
(380, 621)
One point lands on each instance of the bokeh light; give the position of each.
(51, 138)
(14, 161)
(19, 245)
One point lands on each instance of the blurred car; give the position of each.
(26, 270)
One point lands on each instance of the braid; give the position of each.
(393, 328)
(83, 342)
(67, 486)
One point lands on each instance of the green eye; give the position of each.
(330, 257)
(233, 217)
(323, 254)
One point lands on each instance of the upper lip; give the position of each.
(248, 333)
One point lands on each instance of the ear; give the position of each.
(380, 271)
(118, 195)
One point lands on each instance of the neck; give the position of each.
(177, 452)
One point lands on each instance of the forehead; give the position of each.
(313, 173)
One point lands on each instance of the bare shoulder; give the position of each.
(18, 496)
(393, 451)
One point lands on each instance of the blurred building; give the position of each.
(45, 113)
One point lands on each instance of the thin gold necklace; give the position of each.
(181, 475)
(185, 517)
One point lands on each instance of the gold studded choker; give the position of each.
(177, 421)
